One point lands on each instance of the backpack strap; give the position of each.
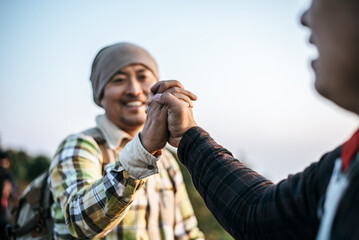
(39, 199)
(105, 155)
(96, 134)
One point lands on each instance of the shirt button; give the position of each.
(150, 167)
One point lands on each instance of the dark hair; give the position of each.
(3, 154)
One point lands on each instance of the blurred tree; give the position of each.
(19, 164)
(37, 166)
(25, 167)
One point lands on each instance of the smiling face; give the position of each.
(335, 32)
(125, 95)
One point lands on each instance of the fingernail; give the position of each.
(157, 97)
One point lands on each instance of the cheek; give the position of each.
(112, 93)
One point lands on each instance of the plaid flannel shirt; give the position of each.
(112, 204)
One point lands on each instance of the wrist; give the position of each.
(186, 128)
(146, 143)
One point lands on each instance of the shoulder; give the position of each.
(326, 166)
(79, 140)
(76, 149)
(94, 132)
(77, 143)
(315, 178)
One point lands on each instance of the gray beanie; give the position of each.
(111, 59)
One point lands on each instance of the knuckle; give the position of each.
(176, 83)
(174, 90)
(166, 94)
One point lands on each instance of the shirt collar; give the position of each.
(113, 135)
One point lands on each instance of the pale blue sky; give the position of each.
(247, 61)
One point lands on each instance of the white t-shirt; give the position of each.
(337, 185)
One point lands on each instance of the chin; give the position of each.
(321, 90)
(134, 121)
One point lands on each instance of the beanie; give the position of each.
(111, 59)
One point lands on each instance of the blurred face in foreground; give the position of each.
(125, 95)
(335, 32)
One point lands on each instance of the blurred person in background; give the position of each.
(7, 188)
(140, 194)
(322, 202)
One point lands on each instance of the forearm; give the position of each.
(100, 205)
(245, 203)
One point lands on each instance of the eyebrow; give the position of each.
(138, 71)
(141, 71)
(120, 72)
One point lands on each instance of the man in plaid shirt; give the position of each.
(322, 202)
(140, 194)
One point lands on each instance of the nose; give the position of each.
(134, 87)
(305, 19)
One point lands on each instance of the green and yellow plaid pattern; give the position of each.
(92, 203)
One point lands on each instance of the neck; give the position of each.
(132, 130)
(348, 101)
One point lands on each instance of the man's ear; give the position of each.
(102, 102)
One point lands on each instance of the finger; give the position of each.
(155, 87)
(162, 86)
(147, 108)
(169, 100)
(153, 109)
(184, 98)
(149, 98)
(148, 102)
(182, 91)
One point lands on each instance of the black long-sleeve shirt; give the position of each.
(249, 206)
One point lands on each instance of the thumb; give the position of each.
(155, 87)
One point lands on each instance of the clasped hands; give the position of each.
(169, 116)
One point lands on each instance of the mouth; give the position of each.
(314, 63)
(134, 104)
(311, 40)
(314, 53)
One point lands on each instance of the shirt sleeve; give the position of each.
(245, 203)
(186, 225)
(137, 161)
(92, 201)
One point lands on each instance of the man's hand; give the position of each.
(175, 88)
(154, 134)
(177, 102)
(155, 131)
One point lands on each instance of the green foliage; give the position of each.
(38, 165)
(25, 167)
